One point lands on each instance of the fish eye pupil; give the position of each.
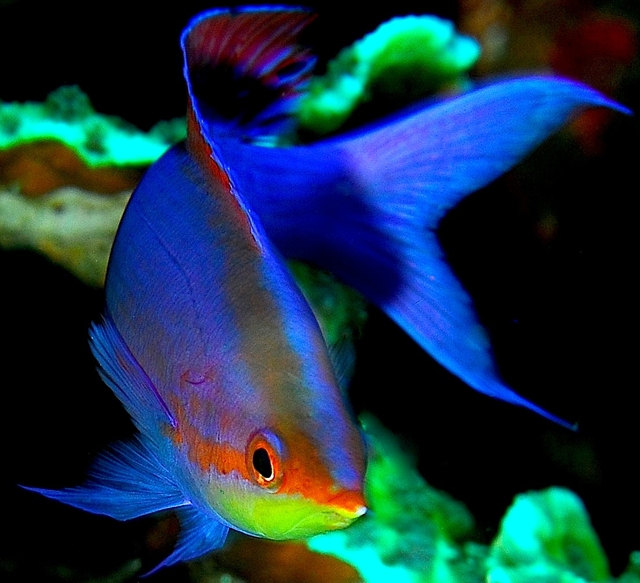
(262, 463)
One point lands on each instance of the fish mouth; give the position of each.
(349, 503)
(336, 513)
(329, 519)
(294, 516)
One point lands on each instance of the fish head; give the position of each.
(287, 485)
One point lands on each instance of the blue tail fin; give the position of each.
(366, 206)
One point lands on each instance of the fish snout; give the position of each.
(348, 503)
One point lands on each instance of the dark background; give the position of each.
(561, 312)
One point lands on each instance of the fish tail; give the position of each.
(366, 207)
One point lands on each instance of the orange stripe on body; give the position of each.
(220, 183)
(202, 451)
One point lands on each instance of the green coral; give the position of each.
(341, 313)
(68, 103)
(339, 309)
(632, 574)
(412, 56)
(547, 536)
(68, 116)
(413, 533)
(416, 534)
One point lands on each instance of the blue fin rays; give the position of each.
(366, 206)
(199, 534)
(252, 53)
(126, 481)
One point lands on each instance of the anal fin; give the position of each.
(199, 534)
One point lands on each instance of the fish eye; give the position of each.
(262, 463)
(264, 459)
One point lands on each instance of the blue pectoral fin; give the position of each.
(125, 482)
(199, 535)
(128, 480)
(125, 377)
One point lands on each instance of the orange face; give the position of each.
(282, 488)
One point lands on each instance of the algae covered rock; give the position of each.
(66, 173)
(72, 227)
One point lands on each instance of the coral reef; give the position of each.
(67, 116)
(547, 536)
(412, 532)
(56, 160)
(416, 533)
(403, 60)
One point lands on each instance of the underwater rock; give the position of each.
(404, 59)
(56, 158)
(38, 167)
(416, 533)
(72, 227)
(264, 561)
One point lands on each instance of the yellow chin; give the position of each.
(282, 517)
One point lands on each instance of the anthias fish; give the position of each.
(207, 340)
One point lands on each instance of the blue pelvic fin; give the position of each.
(366, 206)
(125, 482)
(245, 70)
(199, 534)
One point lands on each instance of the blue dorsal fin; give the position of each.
(199, 534)
(343, 359)
(245, 70)
(125, 482)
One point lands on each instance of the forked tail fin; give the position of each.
(366, 206)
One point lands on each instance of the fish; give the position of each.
(207, 340)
